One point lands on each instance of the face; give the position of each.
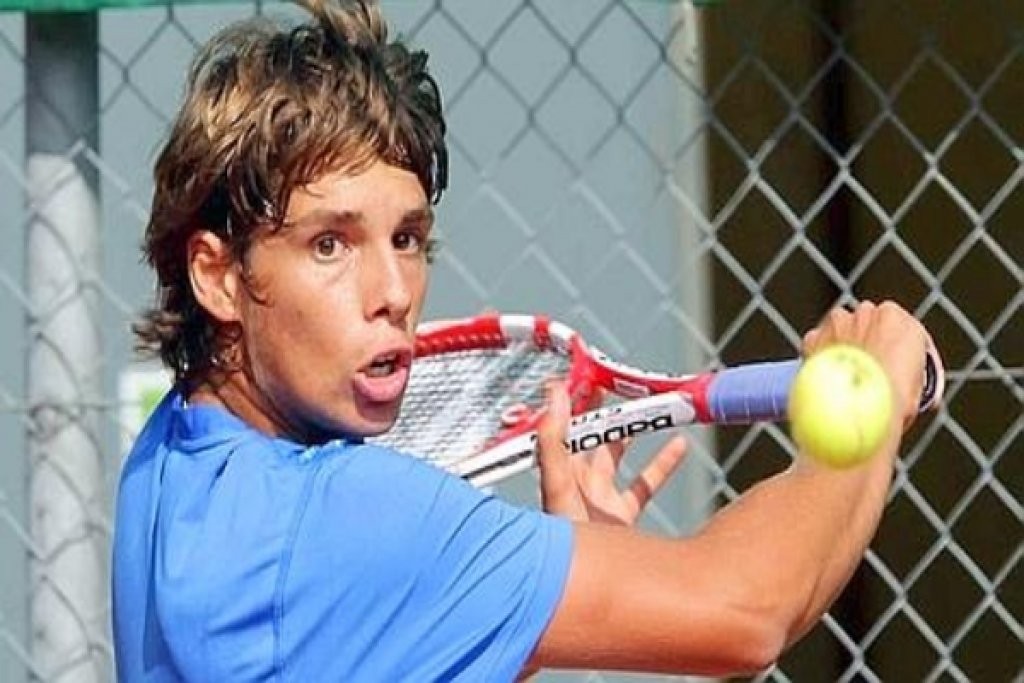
(329, 315)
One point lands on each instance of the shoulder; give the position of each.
(419, 574)
(409, 497)
(398, 492)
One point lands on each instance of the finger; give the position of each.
(863, 318)
(811, 341)
(617, 450)
(841, 323)
(657, 472)
(605, 461)
(556, 479)
(823, 333)
(840, 320)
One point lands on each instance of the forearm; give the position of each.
(730, 598)
(796, 538)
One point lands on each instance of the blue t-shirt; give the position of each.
(240, 557)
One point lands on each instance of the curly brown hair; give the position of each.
(270, 108)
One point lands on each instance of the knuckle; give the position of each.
(838, 314)
(891, 308)
(865, 310)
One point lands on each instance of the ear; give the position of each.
(215, 279)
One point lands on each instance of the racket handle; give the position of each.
(760, 391)
(756, 392)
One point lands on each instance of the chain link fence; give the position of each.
(691, 185)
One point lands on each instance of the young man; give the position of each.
(258, 537)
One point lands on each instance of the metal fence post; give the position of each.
(68, 557)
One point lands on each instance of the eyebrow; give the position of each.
(424, 214)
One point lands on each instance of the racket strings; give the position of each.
(456, 403)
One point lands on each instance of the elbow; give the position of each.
(755, 643)
(759, 619)
(737, 639)
(751, 627)
(766, 648)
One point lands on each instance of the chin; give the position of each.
(370, 431)
(374, 422)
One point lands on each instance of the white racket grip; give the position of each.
(586, 432)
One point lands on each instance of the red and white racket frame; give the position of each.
(659, 401)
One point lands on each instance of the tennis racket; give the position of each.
(476, 394)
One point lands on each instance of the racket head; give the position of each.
(476, 382)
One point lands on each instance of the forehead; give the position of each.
(380, 188)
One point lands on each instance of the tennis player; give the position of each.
(258, 538)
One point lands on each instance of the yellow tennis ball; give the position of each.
(840, 406)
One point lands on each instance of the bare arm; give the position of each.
(760, 573)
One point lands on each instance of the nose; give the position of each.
(388, 286)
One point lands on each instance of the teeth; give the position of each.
(380, 370)
(382, 367)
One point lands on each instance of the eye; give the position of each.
(417, 243)
(408, 240)
(327, 246)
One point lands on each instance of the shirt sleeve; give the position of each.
(399, 571)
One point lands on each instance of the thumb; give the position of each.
(556, 477)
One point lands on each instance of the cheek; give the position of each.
(290, 361)
(299, 334)
(419, 279)
(287, 334)
(271, 327)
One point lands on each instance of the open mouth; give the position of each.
(383, 379)
(388, 363)
(385, 365)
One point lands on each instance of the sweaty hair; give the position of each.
(268, 109)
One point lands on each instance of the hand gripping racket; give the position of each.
(476, 394)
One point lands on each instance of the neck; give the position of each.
(237, 393)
